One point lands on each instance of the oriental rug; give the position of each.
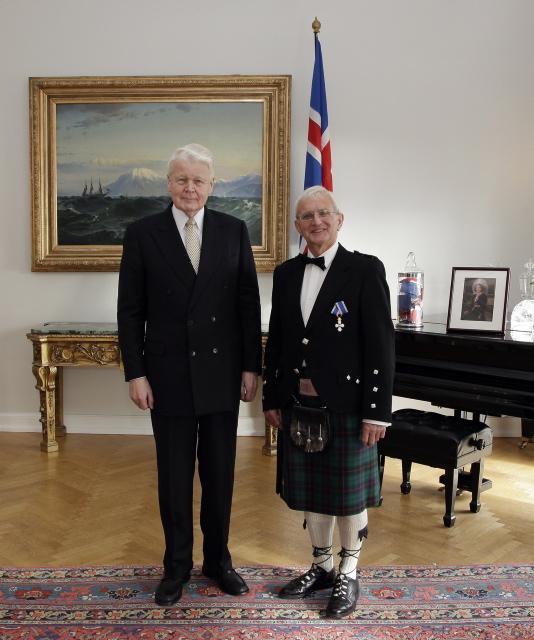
(488, 602)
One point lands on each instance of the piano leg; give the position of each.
(451, 485)
(477, 469)
(406, 487)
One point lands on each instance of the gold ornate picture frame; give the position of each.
(99, 148)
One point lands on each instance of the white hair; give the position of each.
(192, 153)
(311, 193)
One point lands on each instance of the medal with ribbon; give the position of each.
(339, 310)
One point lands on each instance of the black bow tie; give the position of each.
(317, 261)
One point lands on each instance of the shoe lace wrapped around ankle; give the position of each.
(348, 553)
(321, 551)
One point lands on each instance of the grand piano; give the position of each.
(480, 373)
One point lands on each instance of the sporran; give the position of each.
(310, 428)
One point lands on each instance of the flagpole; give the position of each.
(318, 168)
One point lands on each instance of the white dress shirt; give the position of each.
(181, 218)
(313, 281)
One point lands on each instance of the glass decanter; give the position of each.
(522, 319)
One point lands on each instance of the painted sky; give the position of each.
(104, 140)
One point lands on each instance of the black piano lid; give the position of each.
(432, 341)
(488, 373)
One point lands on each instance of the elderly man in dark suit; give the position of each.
(331, 344)
(190, 337)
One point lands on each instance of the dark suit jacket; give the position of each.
(191, 335)
(351, 370)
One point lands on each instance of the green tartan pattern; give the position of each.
(341, 480)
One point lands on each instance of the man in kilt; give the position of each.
(331, 344)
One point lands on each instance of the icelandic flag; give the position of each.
(318, 156)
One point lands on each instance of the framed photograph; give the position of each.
(99, 151)
(478, 299)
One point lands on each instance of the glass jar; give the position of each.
(410, 286)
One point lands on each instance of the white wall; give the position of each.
(431, 106)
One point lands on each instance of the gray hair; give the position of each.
(192, 153)
(311, 193)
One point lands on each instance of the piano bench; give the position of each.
(444, 442)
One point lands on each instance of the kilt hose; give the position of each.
(341, 480)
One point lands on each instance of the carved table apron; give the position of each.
(67, 344)
(81, 344)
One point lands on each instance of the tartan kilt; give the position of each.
(341, 480)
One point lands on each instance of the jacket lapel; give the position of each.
(293, 289)
(170, 243)
(336, 278)
(213, 241)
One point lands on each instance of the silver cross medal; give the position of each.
(339, 326)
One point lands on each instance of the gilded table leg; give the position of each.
(46, 385)
(527, 432)
(271, 438)
(61, 429)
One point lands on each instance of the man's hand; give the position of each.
(141, 393)
(274, 417)
(249, 384)
(371, 433)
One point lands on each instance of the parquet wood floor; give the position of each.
(94, 503)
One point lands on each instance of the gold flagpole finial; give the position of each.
(316, 25)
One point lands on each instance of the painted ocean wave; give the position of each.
(103, 220)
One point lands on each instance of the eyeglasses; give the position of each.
(323, 214)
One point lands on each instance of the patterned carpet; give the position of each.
(494, 602)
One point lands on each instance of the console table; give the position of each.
(67, 344)
(80, 344)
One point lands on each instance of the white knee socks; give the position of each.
(352, 530)
(351, 541)
(321, 528)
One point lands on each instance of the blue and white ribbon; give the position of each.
(340, 308)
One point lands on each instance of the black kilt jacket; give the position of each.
(191, 335)
(352, 370)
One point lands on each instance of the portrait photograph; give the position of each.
(478, 299)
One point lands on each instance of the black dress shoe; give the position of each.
(313, 580)
(344, 596)
(228, 581)
(169, 591)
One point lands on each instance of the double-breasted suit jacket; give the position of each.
(352, 369)
(191, 335)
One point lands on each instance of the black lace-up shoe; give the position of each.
(344, 596)
(313, 580)
(169, 591)
(228, 581)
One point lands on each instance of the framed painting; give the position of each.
(99, 150)
(478, 299)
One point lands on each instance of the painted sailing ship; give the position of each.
(101, 192)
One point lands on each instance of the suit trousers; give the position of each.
(180, 440)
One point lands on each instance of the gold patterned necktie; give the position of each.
(192, 243)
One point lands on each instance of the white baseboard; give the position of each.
(99, 424)
(505, 427)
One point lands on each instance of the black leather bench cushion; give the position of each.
(433, 439)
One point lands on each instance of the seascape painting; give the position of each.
(112, 163)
